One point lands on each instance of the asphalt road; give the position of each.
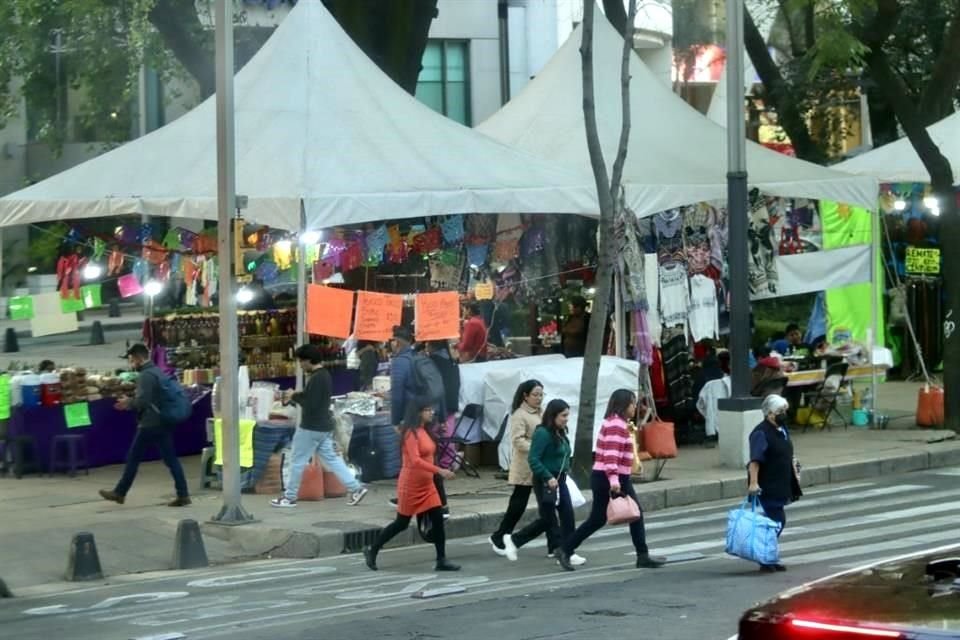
(831, 529)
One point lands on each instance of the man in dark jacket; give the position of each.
(152, 429)
(315, 433)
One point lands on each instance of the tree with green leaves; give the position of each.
(94, 50)
(907, 51)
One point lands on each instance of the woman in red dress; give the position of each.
(416, 491)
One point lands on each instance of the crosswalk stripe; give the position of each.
(865, 521)
(877, 547)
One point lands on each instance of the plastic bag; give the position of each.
(751, 535)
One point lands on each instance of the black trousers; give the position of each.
(515, 510)
(556, 529)
(598, 514)
(162, 439)
(402, 522)
(776, 512)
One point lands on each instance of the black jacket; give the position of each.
(776, 477)
(314, 402)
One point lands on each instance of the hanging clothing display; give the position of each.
(718, 233)
(643, 341)
(674, 295)
(762, 266)
(651, 277)
(669, 231)
(630, 262)
(676, 367)
(703, 319)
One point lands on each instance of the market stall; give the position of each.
(70, 403)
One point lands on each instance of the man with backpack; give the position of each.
(161, 405)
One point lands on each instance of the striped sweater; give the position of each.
(614, 452)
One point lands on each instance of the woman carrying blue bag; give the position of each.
(774, 475)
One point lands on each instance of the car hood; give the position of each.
(916, 593)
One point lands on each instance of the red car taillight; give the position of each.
(843, 630)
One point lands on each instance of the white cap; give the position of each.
(774, 404)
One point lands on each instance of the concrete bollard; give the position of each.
(96, 334)
(84, 562)
(189, 551)
(10, 343)
(4, 591)
(114, 308)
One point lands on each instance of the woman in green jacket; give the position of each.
(549, 460)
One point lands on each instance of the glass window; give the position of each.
(443, 84)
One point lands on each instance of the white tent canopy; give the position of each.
(676, 155)
(898, 162)
(317, 122)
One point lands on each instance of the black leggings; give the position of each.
(402, 522)
(598, 514)
(515, 510)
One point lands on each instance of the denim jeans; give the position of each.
(163, 440)
(556, 519)
(305, 444)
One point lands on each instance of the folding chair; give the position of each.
(825, 401)
(451, 446)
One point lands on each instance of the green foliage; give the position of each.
(103, 43)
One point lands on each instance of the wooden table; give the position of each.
(813, 377)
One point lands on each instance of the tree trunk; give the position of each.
(608, 196)
(941, 178)
(778, 93)
(394, 35)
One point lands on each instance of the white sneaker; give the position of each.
(509, 549)
(576, 560)
(357, 496)
(500, 551)
(283, 503)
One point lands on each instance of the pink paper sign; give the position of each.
(129, 286)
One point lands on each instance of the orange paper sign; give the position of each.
(329, 311)
(437, 316)
(377, 315)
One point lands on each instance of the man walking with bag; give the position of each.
(161, 405)
(315, 433)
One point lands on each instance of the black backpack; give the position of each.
(427, 380)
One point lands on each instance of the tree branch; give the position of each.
(779, 92)
(620, 161)
(937, 100)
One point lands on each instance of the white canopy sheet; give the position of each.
(898, 162)
(560, 377)
(317, 122)
(676, 155)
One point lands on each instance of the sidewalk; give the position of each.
(41, 514)
(132, 318)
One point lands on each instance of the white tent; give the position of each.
(898, 162)
(676, 155)
(317, 122)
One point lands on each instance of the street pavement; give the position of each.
(830, 529)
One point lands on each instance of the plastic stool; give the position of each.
(76, 450)
(21, 452)
(207, 473)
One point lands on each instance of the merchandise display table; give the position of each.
(110, 433)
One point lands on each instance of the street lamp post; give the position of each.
(232, 511)
(738, 414)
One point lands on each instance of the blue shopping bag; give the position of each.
(751, 535)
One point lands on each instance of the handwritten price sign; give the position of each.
(438, 316)
(923, 260)
(377, 315)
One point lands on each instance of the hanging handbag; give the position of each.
(622, 510)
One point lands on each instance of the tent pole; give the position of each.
(232, 511)
(301, 290)
(876, 276)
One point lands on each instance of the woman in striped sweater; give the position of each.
(612, 463)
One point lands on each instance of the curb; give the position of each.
(284, 543)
